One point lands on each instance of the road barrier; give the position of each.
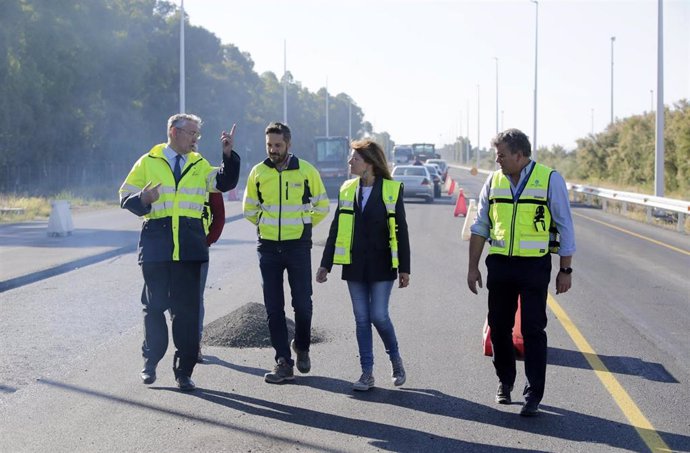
(668, 209)
(60, 221)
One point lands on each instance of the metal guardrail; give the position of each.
(655, 206)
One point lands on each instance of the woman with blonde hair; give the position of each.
(368, 237)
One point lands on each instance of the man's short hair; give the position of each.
(179, 119)
(515, 139)
(279, 128)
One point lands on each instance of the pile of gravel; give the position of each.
(246, 327)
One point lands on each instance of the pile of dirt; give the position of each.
(246, 327)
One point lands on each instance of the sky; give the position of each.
(429, 71)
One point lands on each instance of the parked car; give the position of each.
(442, 164)
(436, 177)
(417, 180)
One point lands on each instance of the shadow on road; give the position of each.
(552, 422)
(632, 366)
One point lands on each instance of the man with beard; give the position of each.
(168, 187)
(285, 198)
(522, 208)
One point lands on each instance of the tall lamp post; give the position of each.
(496, 58)
(613, 39)
(536, 49)
(284, 81)
(477, 127)
(659, 130)
(182, 76)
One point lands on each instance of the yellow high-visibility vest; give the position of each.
(520, 227)
(281, 203)
(346, 220)
(184, 199)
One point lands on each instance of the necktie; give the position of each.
(177, 171)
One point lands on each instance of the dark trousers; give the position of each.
(297, 262)
(508, 278)
(174, 286)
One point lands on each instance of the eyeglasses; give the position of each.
(190, 133)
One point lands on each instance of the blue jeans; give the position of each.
(273, 264)
(370, 306)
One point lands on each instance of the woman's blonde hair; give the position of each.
(372, 154)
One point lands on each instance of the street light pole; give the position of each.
(327, 134)
(182, 75)
(536, 50)
(613, 39)
(496, 58)
(284, 81)
(349, 120)
(659, 146)
(477, 127)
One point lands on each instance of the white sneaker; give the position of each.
(365, 382)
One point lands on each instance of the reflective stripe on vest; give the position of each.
(520, 228)
(346, 220)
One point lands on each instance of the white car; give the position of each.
(442, 165)
(417, 180)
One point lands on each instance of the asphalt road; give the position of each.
(70, 346)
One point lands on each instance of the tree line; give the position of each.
(621, 156)
(86, 88)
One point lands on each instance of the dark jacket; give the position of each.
(371, 253)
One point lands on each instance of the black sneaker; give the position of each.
(303, 362)
(530, 409)
(503, 394)
(148, 377)
(281, 372)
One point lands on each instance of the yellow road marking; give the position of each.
(654, 241)
(634, 415)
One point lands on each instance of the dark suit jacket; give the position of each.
(371, 253)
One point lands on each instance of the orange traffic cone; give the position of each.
(518, 341)
(232, 195)
(452, 187)
(461, 205)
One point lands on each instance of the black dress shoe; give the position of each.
(147, 376)
(185, 383)
(530, 409)
(503, 394)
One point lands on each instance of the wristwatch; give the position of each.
(567, 270)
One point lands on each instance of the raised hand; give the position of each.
(227, 140)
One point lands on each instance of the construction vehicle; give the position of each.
(424, 151)
(330, 158)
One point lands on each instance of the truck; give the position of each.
(402, 154)
(424, 151)
(330, 158)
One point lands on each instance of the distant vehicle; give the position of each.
(442, 164)
(402, 154)
(331, 156)
(424, 151)
(436, 177)
(417, 181)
